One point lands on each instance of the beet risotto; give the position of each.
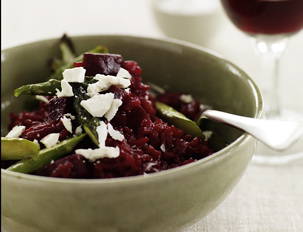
(97, 119)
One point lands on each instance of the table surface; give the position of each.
(267, 198)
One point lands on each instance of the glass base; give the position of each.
(266, 156)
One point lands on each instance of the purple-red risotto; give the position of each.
(97, 119)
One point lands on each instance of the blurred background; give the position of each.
(199, 21)
(251, 206)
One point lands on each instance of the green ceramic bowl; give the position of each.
(165, 201)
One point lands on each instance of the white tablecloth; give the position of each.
(267, 199)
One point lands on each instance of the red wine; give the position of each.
(266, 16)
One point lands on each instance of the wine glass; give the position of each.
(270, 23)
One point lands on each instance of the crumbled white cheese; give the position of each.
(102, 133)
(121, 82)
(74, 74)
(67, 123)
(124, 73)
(42, 98)
(94, 89)
(115, 134)
(110, 114)
(36, 141)
(162, 147)
(72, 117)
(102, 152)
(50, 140)
(108, 80)
(105, 82)
(101, 77)
(66, 90)
(207, 135)
(78, 130)
(186, 98)
(150, 165)
(99, 104)
(127, 90)
(15, 132)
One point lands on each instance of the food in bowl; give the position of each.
(135, 203)
(97, 119)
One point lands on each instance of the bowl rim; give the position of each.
(221, 154)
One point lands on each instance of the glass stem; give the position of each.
(270, 49)
(273, 97)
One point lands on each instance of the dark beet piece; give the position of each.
(129, 163)
(107, 64)
(45, 120)
(57, 107)
(132, 67)
(192, 110)
(40, 130)
(72, 166)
